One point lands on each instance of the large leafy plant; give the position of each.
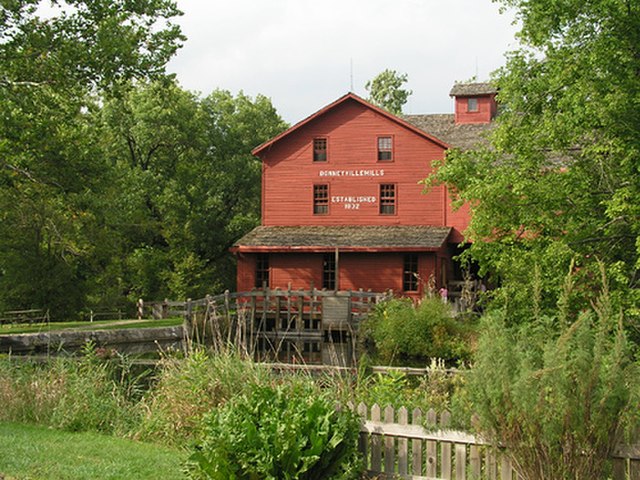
(279, 432)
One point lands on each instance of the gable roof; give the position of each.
(347, 238)
(345, 98)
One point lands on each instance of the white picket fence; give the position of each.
(423, 447)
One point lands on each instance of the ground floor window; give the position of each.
(262, 270)
(410, 273)
(329, 271)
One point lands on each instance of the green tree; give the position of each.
(558, 394)
(185, 186)
(51, 166)
(386, 91)
(561, 178)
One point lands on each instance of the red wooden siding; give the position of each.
(299, 270)
(458, 219)
(246, 272)
(486, 110)
(351, 171)
(376, 271)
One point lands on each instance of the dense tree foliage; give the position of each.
(386, 90)
(54, 63)
(561, 178)
(186, 185)
(555, 200)
(114, 182)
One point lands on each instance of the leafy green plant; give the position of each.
(289, 431)
(398, 332)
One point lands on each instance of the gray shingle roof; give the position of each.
(471, 89)
(397, 237)
(442, 126)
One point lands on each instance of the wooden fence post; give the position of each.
(506, 469)
(403, 444)
(188, 312)
(445, 448)
(140, 306)
(389, 443)
(432, 452)
(165, 309)
(416, 445)
(363, 439)
(619, 469)
(461, 461)
(475, 461)
(376, 440)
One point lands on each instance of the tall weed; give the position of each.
(186, 389)
(65, 393)
(557, 392)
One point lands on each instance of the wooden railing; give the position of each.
(287, 325)
(35, 315)
(417, 445)
(263, 301)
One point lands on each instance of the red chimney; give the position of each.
(475, 102)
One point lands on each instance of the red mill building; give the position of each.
(341, 204)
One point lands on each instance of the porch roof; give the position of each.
(345, 238)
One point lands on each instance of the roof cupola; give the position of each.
(475, 102)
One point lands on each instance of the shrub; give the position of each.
(288, 431)
(401, 333)
(556, 393)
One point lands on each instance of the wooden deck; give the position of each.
(311, 326)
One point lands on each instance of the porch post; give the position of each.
(337, 257)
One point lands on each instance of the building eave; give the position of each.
(260, 149)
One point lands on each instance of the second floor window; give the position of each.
(319, 149)
(385, 148)
(387, 199)
(320, 199)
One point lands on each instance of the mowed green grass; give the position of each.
(39, 453)
(11, 329)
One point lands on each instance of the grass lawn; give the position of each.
(38, 453)
(10, 329)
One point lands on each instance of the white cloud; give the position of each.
(298, 52)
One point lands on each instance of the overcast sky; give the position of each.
(303, 54)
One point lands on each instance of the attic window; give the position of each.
(385, 148)
(472, 104)
(319, 149)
